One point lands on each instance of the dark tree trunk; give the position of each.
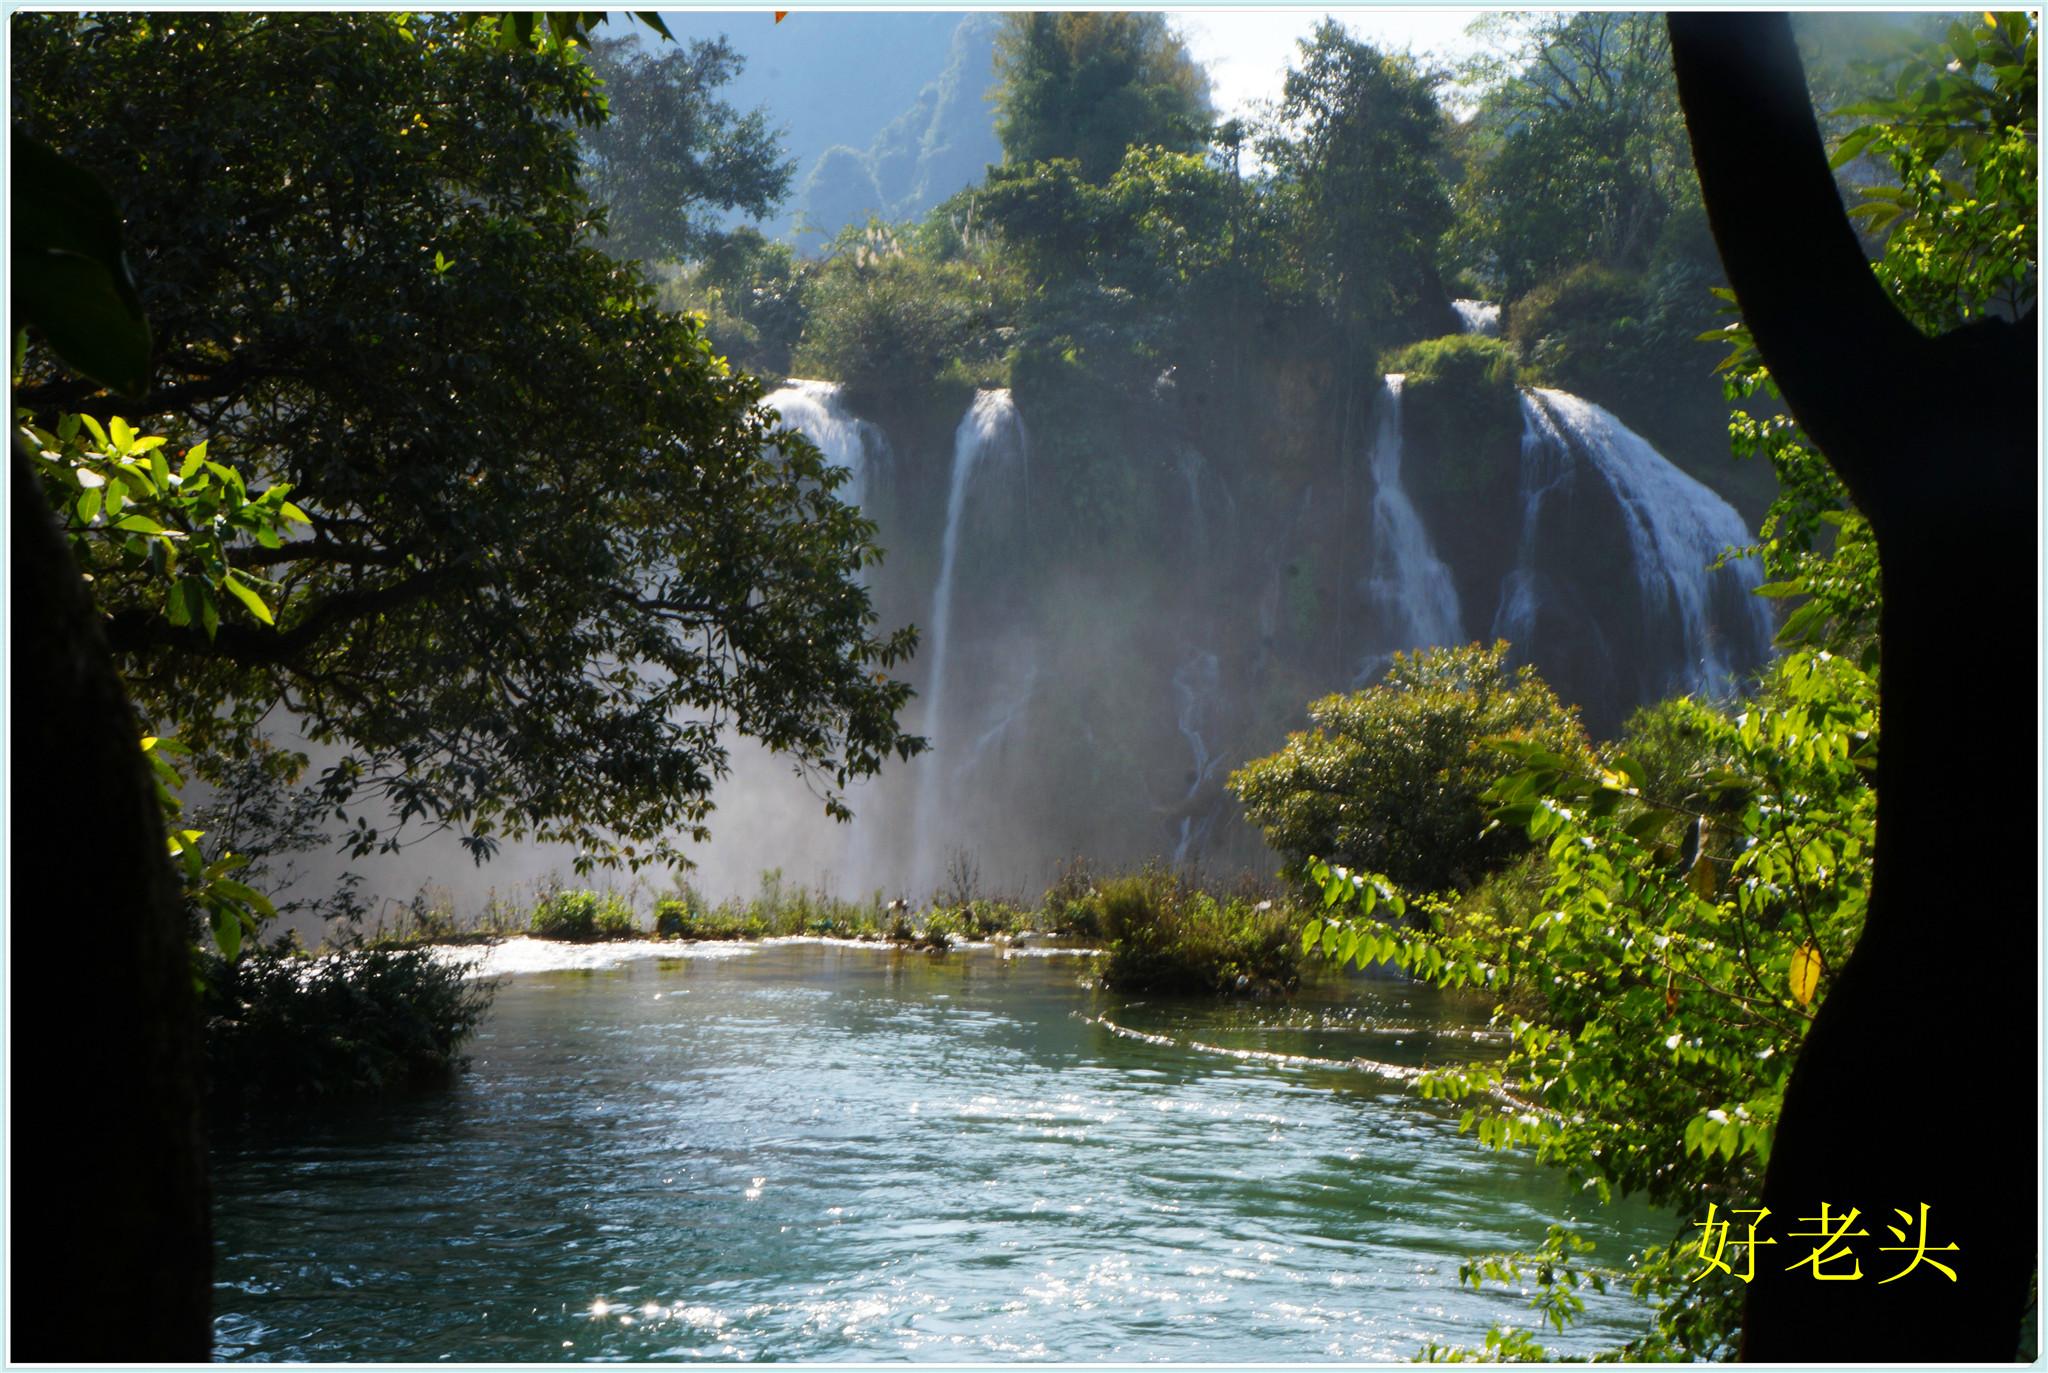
(111, 1247)
(1919, 1081)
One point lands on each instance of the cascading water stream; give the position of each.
(1677, 527)
(1546, 467)
(817, 410)
(1478, 317)
(1409, 585)
(991, 426)
(1197, 688)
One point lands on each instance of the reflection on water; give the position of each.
(816, 1151)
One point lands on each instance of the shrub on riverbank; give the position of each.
(584, 915)
(286, 1028)
(1166, 936)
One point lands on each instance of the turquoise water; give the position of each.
(816, 1151)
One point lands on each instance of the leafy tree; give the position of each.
(1693, 917)
(751, 293)
(670, 154)
(1578, 153)
(1088, 85)
(1356, 155)
(889, 319)
(1392, 777)
(516, 632)
(1833, 338)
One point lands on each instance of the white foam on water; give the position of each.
(525, 954)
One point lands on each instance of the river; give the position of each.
(807, 1150)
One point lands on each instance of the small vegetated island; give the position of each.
(1313, 652)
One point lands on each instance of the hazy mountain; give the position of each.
(885, 113)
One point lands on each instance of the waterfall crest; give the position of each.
(817, 410)
(1478, 317)
(1676, 526)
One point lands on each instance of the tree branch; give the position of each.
(1831, 337)
(134, 631)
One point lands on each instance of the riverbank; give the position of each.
(1154, 930)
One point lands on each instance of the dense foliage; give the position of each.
(670, 155)
(514, 632)
(1355, 159)
(1578, 154)
(582, 916)
(1391, 778)
(1690, 920)
(1706, 879)
(285, 1029)
(1164, 935)
(1087, 85)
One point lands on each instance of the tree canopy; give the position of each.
(1087, 85)
(1355, 152)
(670, 154)
(1392, 777)
(555, 549)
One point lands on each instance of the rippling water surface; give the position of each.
(813, 1151)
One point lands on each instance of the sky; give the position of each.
(1246, 50)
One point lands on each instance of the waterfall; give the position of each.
(1478, 317)
(1676, 528)
(1197, 688)
(817, 410)
(1408, 583)
(990, 428)
(1546, 467)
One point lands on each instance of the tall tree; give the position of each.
(1088, 85)
(670, 155)
(1934, 437)
(1578, 151)
(555, 549)
(1356, 154)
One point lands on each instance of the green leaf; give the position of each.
(1311, 934)
(255, 900)
(247, 596)
(209, 609)
(227, 933)
(70, 277)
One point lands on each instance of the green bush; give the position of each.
(582, 916)
(1461, 415)
(888, 322)
(671, 918)
(1391, 779)
(1467, 362)
(286, 1028)
(1164, 936)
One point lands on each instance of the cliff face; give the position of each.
(1124, 596)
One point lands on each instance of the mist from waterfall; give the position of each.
(1197, 692)
(1409, 584)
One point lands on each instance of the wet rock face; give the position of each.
(1134, 603)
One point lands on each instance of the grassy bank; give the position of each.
(1160, 931)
